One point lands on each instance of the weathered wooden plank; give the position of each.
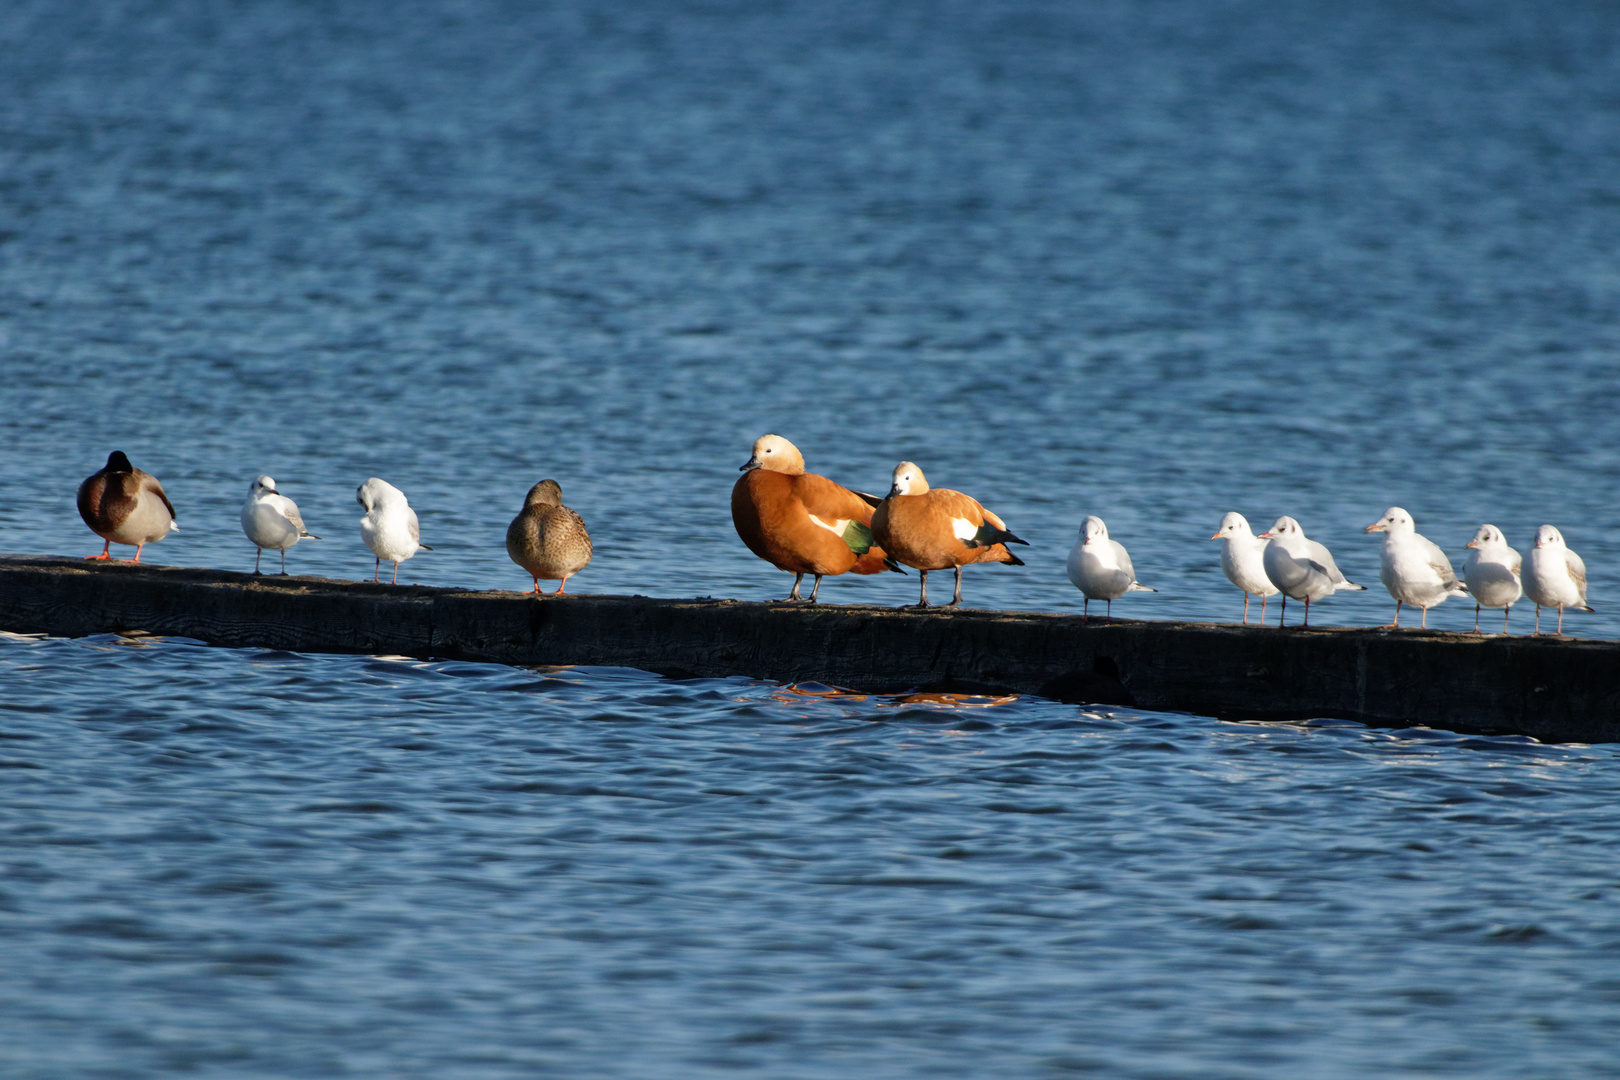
(1549, 688)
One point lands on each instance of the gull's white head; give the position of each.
(1092, 530)
(1395, 522)
(1234, 526)
(1284, 528)
(374, 493)
(907, 480)
(775, 454)
(1547, 536)
(262, 485)
(1487, 535)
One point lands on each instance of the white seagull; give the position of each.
(271, 520)
(1412, 567)
(1101, 568)
(1492, 573)
(1555, 576)
(1300, 567)
(1243, 561)
(389, 527)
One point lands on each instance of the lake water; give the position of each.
(1153, 261)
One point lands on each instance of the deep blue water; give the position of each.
(262, 864)
(1153, 261)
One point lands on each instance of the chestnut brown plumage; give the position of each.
(801, 522)
(939, 529)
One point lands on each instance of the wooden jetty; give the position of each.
(1554, 689)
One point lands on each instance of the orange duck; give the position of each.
(801, 522)
(938, 529)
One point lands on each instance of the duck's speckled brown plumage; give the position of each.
(124, 505)
(548, 539)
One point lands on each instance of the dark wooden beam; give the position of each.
(1555, 689)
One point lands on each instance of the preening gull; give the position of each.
(389, 527)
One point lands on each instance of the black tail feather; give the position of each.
(988, 535)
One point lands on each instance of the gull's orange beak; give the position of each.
(1377, 526)
(1217, 536)
(1267, 535)
(1471, 543)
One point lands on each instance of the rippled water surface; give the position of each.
(265, 864)
(1153, 261)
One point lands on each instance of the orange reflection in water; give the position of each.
(788, 692)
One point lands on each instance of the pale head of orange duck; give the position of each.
(775, 454)
(907, 480)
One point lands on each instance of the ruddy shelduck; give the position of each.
(547, 538)
(390, 528)
(939, 529)
(124, 505)
(801, 522)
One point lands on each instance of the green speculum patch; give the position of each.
(858, 537)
